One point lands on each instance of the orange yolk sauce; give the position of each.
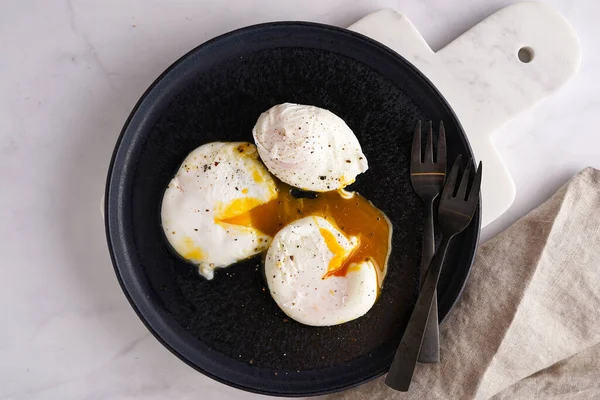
(351, 213)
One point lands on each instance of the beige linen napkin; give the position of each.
(528, 323)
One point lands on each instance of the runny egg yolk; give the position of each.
(190, 250)
(339, 253)
(353, 215)
(235, 208)
(257, 176)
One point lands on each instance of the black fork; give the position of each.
(456, 211)
(427, 177)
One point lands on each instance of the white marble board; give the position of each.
(485, 80)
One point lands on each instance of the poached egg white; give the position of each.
(308, 147)
(300, 267)
(216, 182)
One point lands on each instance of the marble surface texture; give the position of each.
(70, 72)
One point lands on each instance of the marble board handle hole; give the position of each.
(526, 54)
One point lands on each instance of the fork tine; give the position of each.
(476, 186)
(429, 145)
(441, 145)
(451, 181)
(416, 146)
(464, 182)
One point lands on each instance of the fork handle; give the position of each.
(405, 360)
(430, 348)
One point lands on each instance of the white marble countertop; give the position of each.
(71, 71)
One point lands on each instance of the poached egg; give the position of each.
(302, 268)
(308, 147)
(216, 182)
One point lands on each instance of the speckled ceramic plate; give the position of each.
(229, 328)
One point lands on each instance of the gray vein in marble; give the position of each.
(91, 50)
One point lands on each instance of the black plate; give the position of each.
(229, 328)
